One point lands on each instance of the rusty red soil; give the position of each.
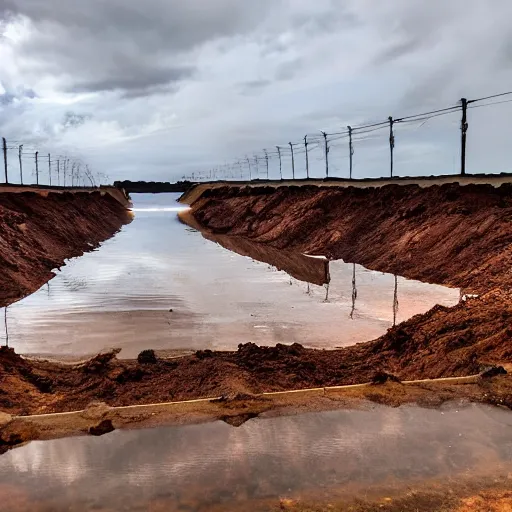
(39, 231)
(458, 236)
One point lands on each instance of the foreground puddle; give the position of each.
(321, 458)
(122, 295)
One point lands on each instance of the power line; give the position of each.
(489, 97)
(447, 110)
(490, 104)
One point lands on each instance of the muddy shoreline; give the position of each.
(451, 235)
(40, 229)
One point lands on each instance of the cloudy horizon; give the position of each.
(163, 88)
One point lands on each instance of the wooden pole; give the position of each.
(293, 161)
(280, 163)
(391, 143)
(37, 168)
(307, 156)
(464, 129)
(350, 149)
(5, 159)
(250, 172)
(326, 155)
(20, 151)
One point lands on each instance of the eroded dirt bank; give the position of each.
(38, 231)
(460, 236)
(451, 235)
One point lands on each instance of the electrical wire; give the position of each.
(490, 97)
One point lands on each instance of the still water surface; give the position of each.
(317, 456)
(121, 296)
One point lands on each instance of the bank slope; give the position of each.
(39, 231)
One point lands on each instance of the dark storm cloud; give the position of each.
(122, 78)
(125, 45)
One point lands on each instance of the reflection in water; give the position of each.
(199, 466)
(220, 295)
(326, 286)
(354, 291)
(395, 301)
(310, 269)
(6, 336)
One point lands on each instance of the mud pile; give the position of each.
(38, 231)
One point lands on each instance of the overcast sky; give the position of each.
(161, 88)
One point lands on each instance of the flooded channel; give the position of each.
(163, 285)
(320, 456)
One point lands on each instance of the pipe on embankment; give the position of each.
(18, 429)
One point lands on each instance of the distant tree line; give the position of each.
(153, 187)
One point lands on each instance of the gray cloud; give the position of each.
(172, 86)
(124, 45)
(10, 96)
(287, 70)
(122, 78)
(73, 120)
(254, 86)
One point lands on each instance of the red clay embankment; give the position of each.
(39, 230)
(459, 236)
(451, 235)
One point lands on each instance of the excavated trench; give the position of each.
(451, 235)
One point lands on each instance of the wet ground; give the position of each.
(373, 453)
(121, 295)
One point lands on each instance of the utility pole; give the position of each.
(464, 129)
(50, 169)
(391, 142)
(326, 155)
(307, 156)
(249, 164)
(20, 151)
(58, 173)
(88, 174)
(350, 149)
(5, 158)
(266, 160)
(280, 163)
(293, 161)
(257, 167)
(37, 168)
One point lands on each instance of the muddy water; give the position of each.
(376, 452)
(121, 295)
